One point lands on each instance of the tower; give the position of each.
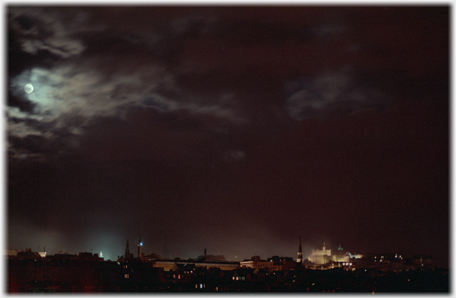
(127, 249)
(299, 260)
(128, 254)
(140, 244)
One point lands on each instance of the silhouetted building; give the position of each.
(274, 263)
(423, 261)
(127, 254)
(299, 259)
(208, 258)
(86, 272)
(139, 244)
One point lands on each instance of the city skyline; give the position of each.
(145, 250)
(315, 257)
(323, 272)
(233, 128)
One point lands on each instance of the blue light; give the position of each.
(140, 243)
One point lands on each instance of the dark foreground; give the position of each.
(38, 276)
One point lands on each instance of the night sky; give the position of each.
(235, 129)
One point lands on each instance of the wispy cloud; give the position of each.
(331, 93)
(40, 29)
(70, 96)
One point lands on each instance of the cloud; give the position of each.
(21, 129)
(68, 99)
(217, 111)
(41, 29)
(328, 94)
(15, 112)
(234, 155)
(330, 29)
(63, 93)
(59, 46)
(219, 108)
(198, 23)
(105, 71)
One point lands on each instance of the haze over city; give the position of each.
(236, 129)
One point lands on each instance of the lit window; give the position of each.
(127, 275)
(201, 286)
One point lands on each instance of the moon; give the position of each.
(28, 88)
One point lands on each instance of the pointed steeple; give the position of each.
(299, 259)
(127, 249)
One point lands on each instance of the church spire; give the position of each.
(127, 249)
(299, 260)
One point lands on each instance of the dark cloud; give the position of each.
(330, 94)
(41, 29)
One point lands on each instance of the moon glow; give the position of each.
(28, 88)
